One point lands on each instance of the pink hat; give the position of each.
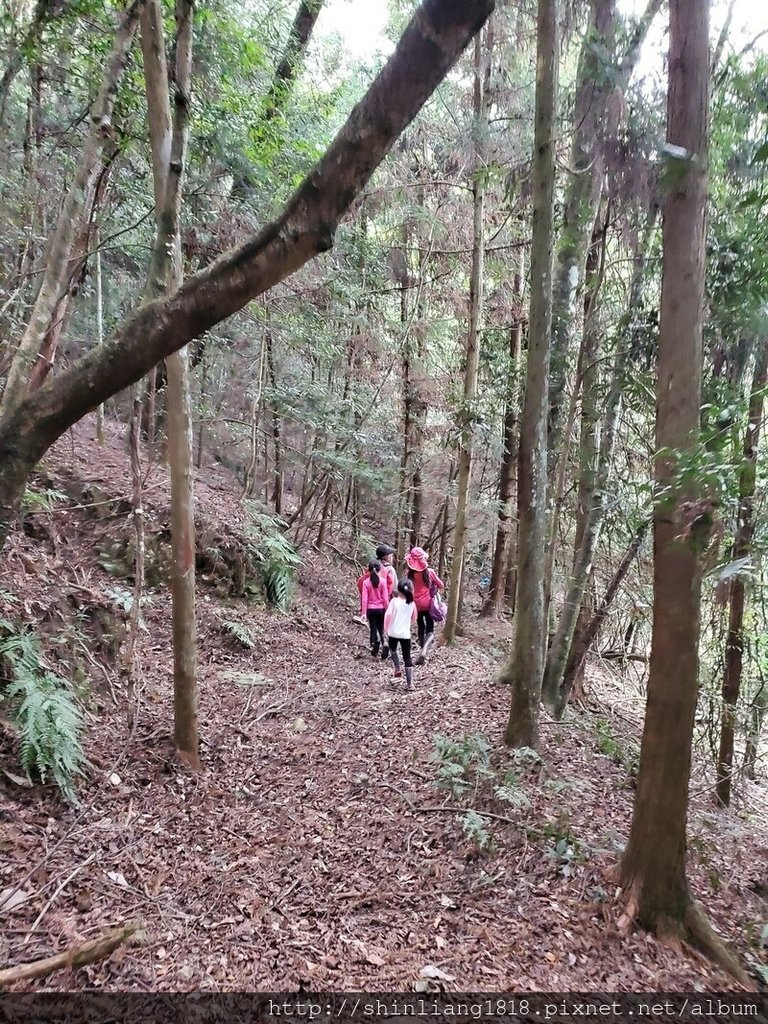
(417, 559)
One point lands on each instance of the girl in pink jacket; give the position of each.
(424, 581)
(375, 598)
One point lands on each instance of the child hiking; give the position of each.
(374, 597)
(426, 584)
(398, 622)
(384, 555)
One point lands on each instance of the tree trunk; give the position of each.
(430, 45)
(653, 872)
(602, 72)
(99, 327)
(758, 712)
(506, 525)
(45, 10)
(70, 218)
(76, 273)
(558, 685)
(742, 548)
(525, 666)
(472, 353)
(586, 637)
(169, 136)
(277, 479)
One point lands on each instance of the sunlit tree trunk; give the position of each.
(525, 667)
(742, 548)
(472, 351)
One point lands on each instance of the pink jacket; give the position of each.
(375, 597)
(421, 595)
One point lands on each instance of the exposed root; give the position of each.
(699, 934)
(693, 934)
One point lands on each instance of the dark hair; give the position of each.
(425, 576)
(384, 551)
(373, 569)
(405, 587)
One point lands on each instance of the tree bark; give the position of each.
(742, 548)
(525, 666)
(653, 870)
(45, 11)
(506, 524)
(277, 478)
(472, 352)
(596, 119)
(298, 41)
(436, 35)
(169, 134)
(70, 218)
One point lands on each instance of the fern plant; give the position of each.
(238, 632)
(49, 722)
(276, 556)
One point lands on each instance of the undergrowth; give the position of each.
(42, 710)
(276, 556)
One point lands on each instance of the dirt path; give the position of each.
(305, 854)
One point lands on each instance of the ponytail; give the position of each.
(373, 569)
(405, 587)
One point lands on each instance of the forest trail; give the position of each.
(304, 853)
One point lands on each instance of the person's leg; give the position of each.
(408, 664)
(427, 623)
(373, 631)
(393, 654)
(421, 628)
(378, 617)
(384, 641)
(430, 638)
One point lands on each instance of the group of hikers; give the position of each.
(392, 606)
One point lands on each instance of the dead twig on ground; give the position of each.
(76, 956)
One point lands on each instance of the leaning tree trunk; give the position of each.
(71, 216)
(169, 135)
(653, 870)
(525, 667)
(433, 40)
(472, 352)
(742, 548)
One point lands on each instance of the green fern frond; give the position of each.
(41, 707)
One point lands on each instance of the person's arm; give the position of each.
(364, 597)
(414, 612)
(436, 579)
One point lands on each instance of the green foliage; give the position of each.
(239, 632)
(473, 826)
(41, 501)
(276, 556)
(461, 763)
(49, 722)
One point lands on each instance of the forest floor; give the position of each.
(314, 848)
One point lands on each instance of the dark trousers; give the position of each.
(376, 622)
(425, 625)
(406, 646)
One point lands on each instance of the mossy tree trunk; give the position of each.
(525, 666)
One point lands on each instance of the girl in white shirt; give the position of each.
(398, 622)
